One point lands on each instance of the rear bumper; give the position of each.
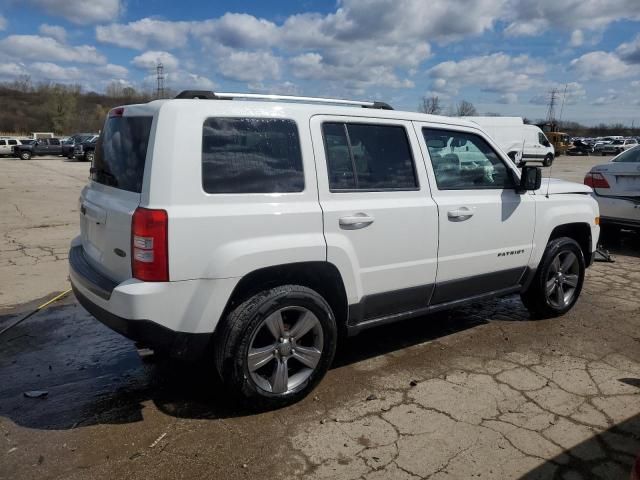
(176, 317)
(186, 346)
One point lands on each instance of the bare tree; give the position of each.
(466, 109)
(431, 105)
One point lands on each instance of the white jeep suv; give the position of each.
(256, 232)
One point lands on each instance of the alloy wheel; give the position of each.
(285, 349)
(562, 279)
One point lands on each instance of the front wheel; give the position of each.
(548, 160)
(25, 155)
(275, 347)
(558, 281)
(88, 157)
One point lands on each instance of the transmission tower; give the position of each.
(160, 79)
(551, 113)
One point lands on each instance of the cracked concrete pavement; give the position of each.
(479, 392)
(39, 212)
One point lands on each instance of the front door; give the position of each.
(486, 228)
(380, 222)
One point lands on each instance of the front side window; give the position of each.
(542, 140)
(251, 155)
(12, 142)
(368, 157)
(3, 142)
(465, 161)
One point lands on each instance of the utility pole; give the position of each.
(564, 96)
(551, 114)
(160, 78)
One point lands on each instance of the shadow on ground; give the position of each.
(609, 454)
(94, 376)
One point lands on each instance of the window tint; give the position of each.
(464, 161)
(251, 155)
(3, 142)
(368, 157)
(630, 156)
(542, 140)
(12, 142)
(121, 152)
(54, 141)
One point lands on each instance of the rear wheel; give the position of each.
(25, 155)
(558, 280)
(274, 348)
(548, 160)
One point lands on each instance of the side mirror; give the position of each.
(531, 179)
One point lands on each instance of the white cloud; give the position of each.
(577, 38)
(529, 17)
(498, 72)
(53, 31)
(236, 30)
(51, 71)
(35, 47)
(630, 51)
(508, 98)
(149, 60)
(11, 69)
(142, 33)
(180, 80)
(114, 71)
(250, 66)
(81, 12)
(602, 65)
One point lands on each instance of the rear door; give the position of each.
(380, 222)
(4, 148)
(108, 202)
(486, 228)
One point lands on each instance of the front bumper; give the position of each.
(103, 298)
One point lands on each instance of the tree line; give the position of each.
(433, 105)
(61, 108)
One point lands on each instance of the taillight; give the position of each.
(150, 245)
(596, 180)
(116, 112)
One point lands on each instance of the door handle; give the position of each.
(355, 222)
(460, 214)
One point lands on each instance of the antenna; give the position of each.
(160, 80)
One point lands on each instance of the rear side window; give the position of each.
(368, 157)
(251, 155)
(121, 152)
(13, 142)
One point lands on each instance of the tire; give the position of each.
(543, 298)
(71, 156)
(25, 155)
(88, 157)
(548, 160)
(266, 321)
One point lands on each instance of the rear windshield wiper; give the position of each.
(108, 176)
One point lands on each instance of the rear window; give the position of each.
(121, 152)
(251, 155)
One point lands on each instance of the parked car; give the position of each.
(7, 144)
(601, 142)
(69, 145)
(580, 148)
(42, 146)
(85, 150)
(616, 187)
(522, 142)
(618, 146)
(257, 231)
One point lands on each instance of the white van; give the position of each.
(521, 141)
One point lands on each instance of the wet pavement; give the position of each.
(477, 391)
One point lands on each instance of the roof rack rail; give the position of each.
(209, 95)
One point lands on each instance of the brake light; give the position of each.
(116, 112)
(150, 245)
(596, 180)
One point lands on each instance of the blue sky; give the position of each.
(502, 55)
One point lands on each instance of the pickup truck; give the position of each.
(43, 146)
